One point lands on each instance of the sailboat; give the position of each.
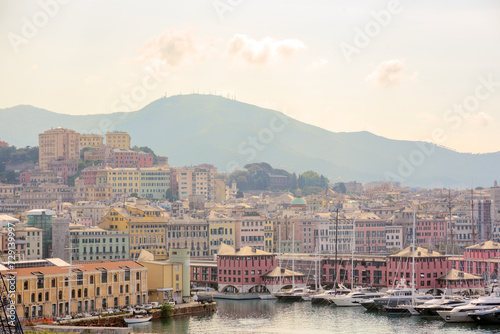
(407, 308)
(295, 294)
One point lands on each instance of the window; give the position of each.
(110, 290)
(26, 284)
(97, 291)
(53, 283)
(91, 279)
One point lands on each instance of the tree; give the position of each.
(301, 182)
(170, 196)
(239, 194)
(10, 177)
(146, 149)
(292, 181)
(166, 310)
(340, 188)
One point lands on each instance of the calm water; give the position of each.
(268, 316)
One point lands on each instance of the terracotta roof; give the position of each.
(419, 253)
(54, 270)
(456, 275)
(486, 245)
(245, 251)
(277, 272)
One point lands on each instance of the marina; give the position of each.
(268, 316)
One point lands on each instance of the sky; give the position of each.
(408, 70)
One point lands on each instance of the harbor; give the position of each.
(268, 316)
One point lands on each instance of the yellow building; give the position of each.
(91, 140)
(46, 292)
(118, 139)
(149, 182)
(145, 223)
(222, 229)
(269, 235)
(58, 144)
(165, 279)
(98, 193)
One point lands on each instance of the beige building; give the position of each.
(46, 291)
(32, 239)
(196, 180)
(91, 140)
(58, 144)
(118, 139)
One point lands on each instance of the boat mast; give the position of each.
(336, 248)
(353, 247)
(280, 259)
(413, 261)
(293, 254)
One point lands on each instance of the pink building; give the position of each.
(145, 160)
(429, 266)
(482, 259)
(4, 144)
(370, 236)
(242, 271)
(24, 177)
(431, 231)
(63, 168)
(368, 270)
(123, 158)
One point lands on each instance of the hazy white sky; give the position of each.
(416, 70)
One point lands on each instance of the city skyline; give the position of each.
(398, 69)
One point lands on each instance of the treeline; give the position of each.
(257, 177)
(12, 155)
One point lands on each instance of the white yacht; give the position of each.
(355, 298)
(461, 313)
(293, 295)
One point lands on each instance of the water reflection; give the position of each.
(268, 316)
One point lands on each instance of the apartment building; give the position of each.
(56, 289)
(196, 180)
(118, 139)
(91, 140)
(58, 144)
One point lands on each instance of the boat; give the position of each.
(293, 295)
(266, 296)
(447, 303)
(355, 298)
(488, 317)
(461, 313)
(399, 296)
(369, 305)
(137, 319)
(325, 297)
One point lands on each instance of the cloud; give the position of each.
(176, 48)
(91, 79)
(481, 119)
(390, 73)
(246, 51)
(322, 62)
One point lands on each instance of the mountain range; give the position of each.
(194, 129)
